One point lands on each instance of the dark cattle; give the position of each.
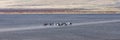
(70, 24)
(64, 24)
(45, 24)
(57, 24)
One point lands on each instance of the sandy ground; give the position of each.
(85, 27)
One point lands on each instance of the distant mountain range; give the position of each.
(61, 4)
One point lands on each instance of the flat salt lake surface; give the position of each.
(89, 27)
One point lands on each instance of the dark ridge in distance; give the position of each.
(40, 10)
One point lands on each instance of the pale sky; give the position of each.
(59, 3)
